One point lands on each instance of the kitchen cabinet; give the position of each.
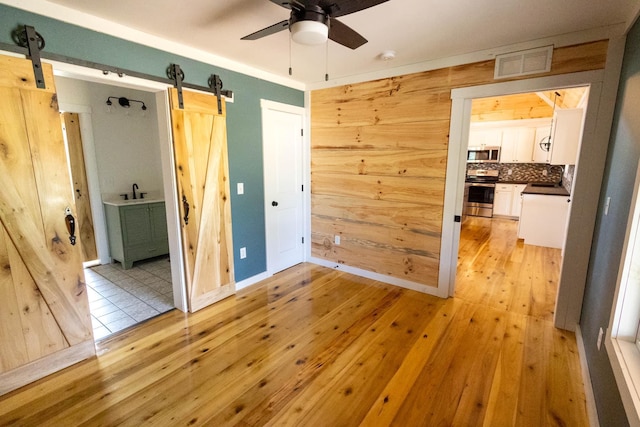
(516, 201)
(485, 137)
(543, 220)
(507, 199)
(136, 231)
(542, 135)
(566, 136)
(502, 200)
(517, 145)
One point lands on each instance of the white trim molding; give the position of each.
(419, 287)
(588, 179)
(592, 410)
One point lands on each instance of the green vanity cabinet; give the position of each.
(136, 231)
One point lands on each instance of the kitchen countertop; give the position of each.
(531, 188)
(512, 182)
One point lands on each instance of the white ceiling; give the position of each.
(418, 30)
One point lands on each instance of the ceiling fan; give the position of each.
(313, 21)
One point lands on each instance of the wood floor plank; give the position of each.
(503, 400)
(317, 346)
(347, 388)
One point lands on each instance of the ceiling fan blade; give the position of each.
(275, 28)
(337, 8)
(341, 33)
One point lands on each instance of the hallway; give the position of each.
(497, 270)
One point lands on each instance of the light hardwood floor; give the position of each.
(313, 346)
(498, 270)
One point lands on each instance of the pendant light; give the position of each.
(545, 143)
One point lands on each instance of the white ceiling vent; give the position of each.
(524, 62)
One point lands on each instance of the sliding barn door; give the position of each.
(44, 310)
(202, 170)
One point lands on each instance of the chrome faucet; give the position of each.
(134, 187)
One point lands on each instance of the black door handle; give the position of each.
(274, 203)
(70, 221)
(185, 208)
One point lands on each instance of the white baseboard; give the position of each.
(430, 290)
(592, 410)
(252, 280)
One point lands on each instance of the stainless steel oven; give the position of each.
(480, 186)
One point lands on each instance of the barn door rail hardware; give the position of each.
(175, 73)
(27, 37)
(216, 84)
(21, 47)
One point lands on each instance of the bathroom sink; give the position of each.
(133, 201)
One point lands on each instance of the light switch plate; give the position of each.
(243, 253)
(241, 188)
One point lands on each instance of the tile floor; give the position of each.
(121, 298)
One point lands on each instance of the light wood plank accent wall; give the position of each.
(378, 162)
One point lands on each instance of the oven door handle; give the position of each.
(480, 184)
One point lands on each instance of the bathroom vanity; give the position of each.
(137, 230)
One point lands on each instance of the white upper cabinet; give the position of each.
(540, 154)
(520, 139)
(517, 145)
(485, 137)
(566, 136)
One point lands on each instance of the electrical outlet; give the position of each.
(243, 253)
(544, 172)
(336, 239)
(600, 336)
(606, 206)
(509, 172)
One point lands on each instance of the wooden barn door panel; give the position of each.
(71, 122)
(43, 296)
(202, 170)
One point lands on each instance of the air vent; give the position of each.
(524, 62)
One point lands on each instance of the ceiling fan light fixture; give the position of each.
(309, 32)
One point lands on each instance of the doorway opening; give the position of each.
(118, 185)
(510, 258)
(585, 188)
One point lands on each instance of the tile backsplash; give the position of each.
(529, 172)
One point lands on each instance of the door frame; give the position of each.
(587, 179)
(93, 183)
(304, 168)
(166, 157)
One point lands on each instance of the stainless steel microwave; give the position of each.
(483, 154)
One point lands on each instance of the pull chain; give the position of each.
(326, 62)
(326, 54)
(290, 69)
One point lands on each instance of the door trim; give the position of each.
(166, 156)
(300, 111)
(587, 181)
(91, 167)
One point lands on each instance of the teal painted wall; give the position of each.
(244, 127)
(609, 234)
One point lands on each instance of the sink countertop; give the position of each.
(132, 201)
(548, 191)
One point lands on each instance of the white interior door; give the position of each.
(282, 147)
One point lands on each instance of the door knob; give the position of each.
(274, 203)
